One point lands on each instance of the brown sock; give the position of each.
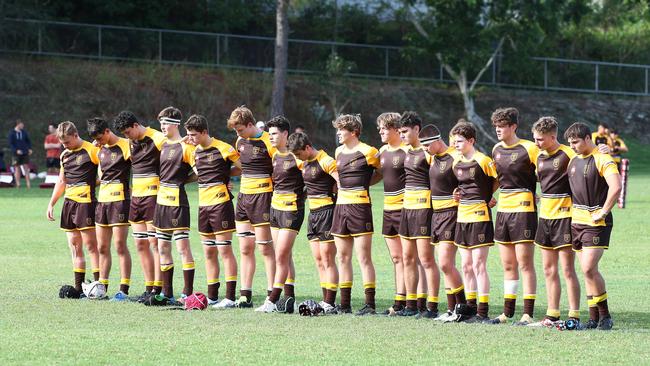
(230, 290)
(460, 297)
(412, 304)
(432, 307)
(168, 282)
(370, 296)
(156, 289)
(188, 278)
(346, 298)
(274, 296)
(451, 302)
(247, 293)
(79, 278)
(472, 303)
(603, 310)
(552, 318)
(509, 307)
(593, 310)
(483, 308)
(529, 306)
(148, 289)
(330, 297)
(422, 304)
(324, 291)
(289, 290)
(268, 292)
(96, 275)
(213, 291)
(124, 288)
(401, 304)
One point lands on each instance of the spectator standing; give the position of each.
(52, 150)
(21, 147)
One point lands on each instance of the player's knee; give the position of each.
(550, 271)
(396, 258)
(479, 268)
(121, 249)
(569, 272)
(446, 266)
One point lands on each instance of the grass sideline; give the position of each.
(40, 328)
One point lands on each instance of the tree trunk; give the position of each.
(485, 137)
(281, 56)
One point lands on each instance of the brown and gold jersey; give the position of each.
(391, 163)
(145, 163)
(599, 139)
(256, 163)
(442, 180)
(115, 168)
(317, 175)
(555, 202)
(355, 169)
(476, 178)
(79, 167)
(212, 165)
(417, 194)
(288, 185)
(175, 168)
(589, 188)
(516, 173)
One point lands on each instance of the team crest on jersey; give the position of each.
(472, 172)
(79, 159)
(327, 233)
(288, 222)
(286, 165)
(224, 224)
(174, 222)
(210, 157)
(353, 162)
(513, 157)
(596, 240)
(171, 153)
(586, 170)
(113, 156)
(481, 238)
(89, 221)
(423, 230)
(143, 145)
(567, 238)
(120, 217)
(256, 150)
(497, 157)
(395, 161)
(460, 172)
(447, 234)
(265, 216)
(368, 226)
(443, 166)
(527, 234)
(313, 172)
(556, 163)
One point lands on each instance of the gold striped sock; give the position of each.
(470, 295)
(530, 296)
(369, 285)
(484, 298)
(188, 266)
(432, 298)
(125, 281)
(213, 281)
(574, 314)
(231, 278)
(79, 270)
(346, 284)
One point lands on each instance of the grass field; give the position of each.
(39, 328)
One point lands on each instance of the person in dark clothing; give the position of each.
(21, 147)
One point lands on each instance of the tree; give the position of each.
(466, 36)
(281, 57)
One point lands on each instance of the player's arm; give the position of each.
(57, 192)
(614, 190)
(235, 169)
(377, 176)
(623, 148)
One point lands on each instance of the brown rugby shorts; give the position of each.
(443, 226)
(142, 209)
(415, 223)
(470, 235)
(171, 218)
(553, 233)
(319, 224)
(112, 213)
(254, 208)
(352, 220)
(390, 224)
(76, 216)
(217, 219)
(515, 227)
(591, 237)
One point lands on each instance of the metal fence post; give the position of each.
(545, 74)
(386, 73)
(494, 70)
(597, 76)
(646, 80)
(159, 46)
(218, 51)
(440, 72)
(40, 38)
(99, 42)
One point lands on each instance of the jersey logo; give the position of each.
(120, 217)
(224, 224)
(586, 170)
(567, 238)
(513, 157)
(286, 165)
(443, 166)
(395, 161)
(353, 162)
(79, 159)
(472, 172)
(174, 222)
(573, 170)
(481, 238)
(89, 221)
(423, 230)
(265, 216)
(313, 172)
(256, 150)
(527, 234)
(143, 146)
(415, 160)
(381, 162)
(368, 226)
(460, 172)
(447, 234)
(113, 156)
(288, 222)
(596, 240)
(210, 157)
(171, 153)
(556, 163)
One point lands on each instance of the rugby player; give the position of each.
(618, 147)
(252, 214)
(553, 234)
(320, 177)
(595, 186)
(443, 220)
(77, 179)
(516, 221)
(415, 223)
(602, 135)
(172, 213)
(145, 144)
(287, 214)
(391, 162)
(113, 201)
(474, 235)
(213, 162)
(352, 224)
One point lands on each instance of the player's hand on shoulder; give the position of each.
(492, 203)
(456, 194)
(604, 148)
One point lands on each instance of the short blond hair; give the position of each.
(389, 120)
(545, 125)
(241, 116)
(66, 128)
(350, 122)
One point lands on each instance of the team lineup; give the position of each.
(438, 201)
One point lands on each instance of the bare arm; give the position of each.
(376, 177)
(335, 175)
(57, 192)
(614, 183)
(235, 170)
